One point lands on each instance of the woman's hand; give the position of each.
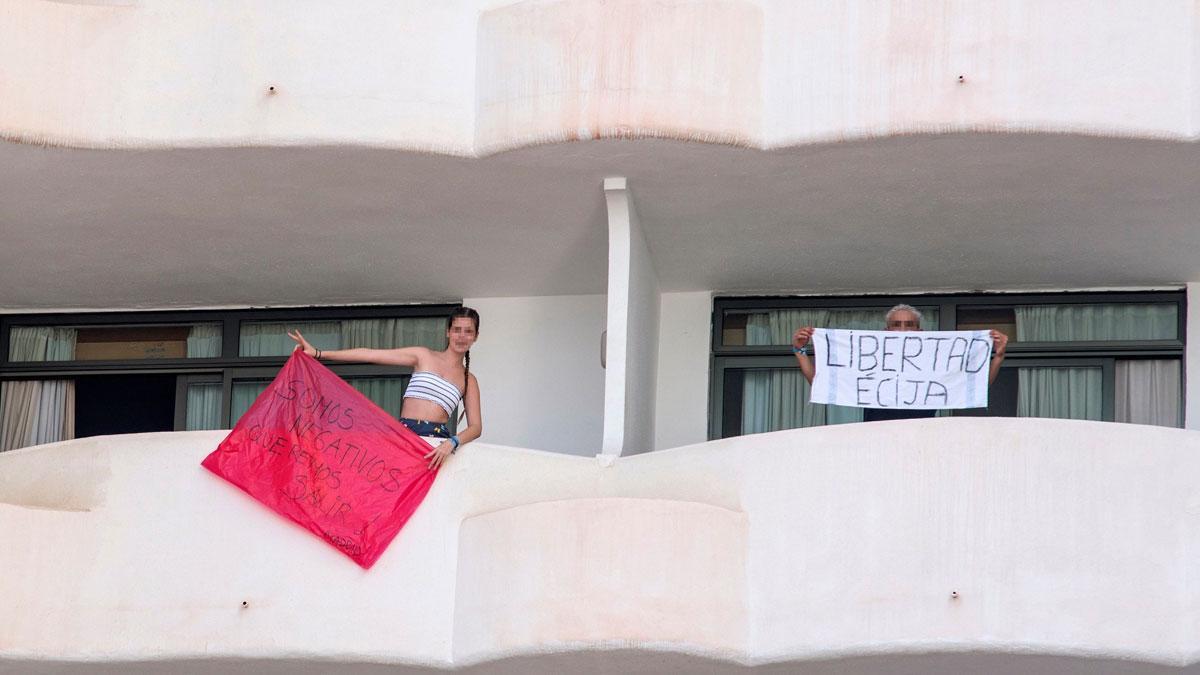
(439, 454)
(301, 343)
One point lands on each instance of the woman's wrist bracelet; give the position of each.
(317, 356)
(454, 440)
(800, 350)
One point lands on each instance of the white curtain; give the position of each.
(203, 406)
(203, 399)
(204, 341)
(33, 412)
(1066, 393)
(1147, 392)
(778, 398)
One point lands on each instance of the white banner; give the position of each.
(915, 370)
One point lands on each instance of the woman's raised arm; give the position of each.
(404, 356)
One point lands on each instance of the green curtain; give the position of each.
(1065, 393)
(1081, 323)
(385, 392)
(203, 406)
(393, 333)
(388, 392)
(243, 395)
(776, 398)
(1076, 393)
(41, 344)
(269, 338)
(775, 327)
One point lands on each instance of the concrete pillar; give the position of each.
(632, 352)
(1191, 360)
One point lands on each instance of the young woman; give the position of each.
(439, 381)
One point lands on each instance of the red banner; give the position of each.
(317, 451)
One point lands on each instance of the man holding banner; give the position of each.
(899, 376)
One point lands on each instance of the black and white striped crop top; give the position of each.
(430, 386)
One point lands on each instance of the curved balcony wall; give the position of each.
(988, 545)
(471, 78)
(571, 70)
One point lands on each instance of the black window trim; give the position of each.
(221, 369)
(948, 315)
(231, 321)
(1101, 353)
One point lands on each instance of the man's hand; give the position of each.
(802, 336)
(999, 342)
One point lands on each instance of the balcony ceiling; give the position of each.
(106, 229)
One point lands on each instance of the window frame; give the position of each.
(1091, 353)
(222, 369)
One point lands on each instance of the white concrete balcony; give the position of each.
(1030, 145)
(945, 545)
(477, 76)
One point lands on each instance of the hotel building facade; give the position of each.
(643, 200)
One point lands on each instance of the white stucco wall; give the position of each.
(476, 76)
(633, 325)
(160, 73)
(538, 365)
(684, 346)
(1075, 540)
(635, 69)
(533, 594)
(873, 69)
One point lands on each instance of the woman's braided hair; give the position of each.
(474, 317)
